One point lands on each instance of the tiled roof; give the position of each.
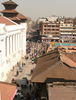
(72, 56)
(69, 59)
(9, 2)
(7, 91)
(51, 67)
(9, 11)
(4, 20)
(21, 16)
(14, 18)
(18, 17)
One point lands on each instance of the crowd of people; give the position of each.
(35, 50)
(27, 91)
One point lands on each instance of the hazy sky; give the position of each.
(45, 8)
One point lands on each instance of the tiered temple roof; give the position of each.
(5, 20)
(11, 13)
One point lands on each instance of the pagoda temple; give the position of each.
(11, 13)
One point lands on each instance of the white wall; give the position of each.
(12, 47)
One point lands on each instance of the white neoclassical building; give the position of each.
(12, 45)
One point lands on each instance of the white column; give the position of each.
(24, 42)
(20, 41)
(10, 45)
(14, 44)
(7, 46)
(17, 42)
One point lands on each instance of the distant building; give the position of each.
(43, 19)
(58, 29)
(50, 31)
(52, 18)
(67, 30)
(12, 45)
(49, 28)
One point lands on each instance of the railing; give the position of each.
(65, 44)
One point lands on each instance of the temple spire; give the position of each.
(11, 13)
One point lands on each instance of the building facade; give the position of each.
(58, 29)
(12, 45)
(50, 30)
(67, 30)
